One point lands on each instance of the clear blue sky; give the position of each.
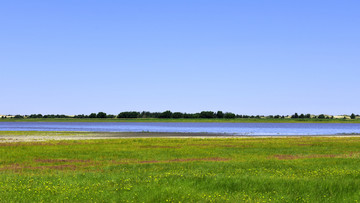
(247, 57)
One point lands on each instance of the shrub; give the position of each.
(229, 115)
(321, 116)
(18, 116)
(219, 114)
(35, 116)
(101, 115)
(110, 116)
(207, 114)
(165, 114)
(128, 114)
(295, 116)
(177, 115)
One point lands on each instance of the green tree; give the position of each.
(178, 115)
(295, 116)
(128, 114)
(321, 116)
(229, 115)
(101, 115)
(352, 116)
(110, 116)
(92, 115)
(165, 114)
(219, 114)
(207, 114)
(18, 116)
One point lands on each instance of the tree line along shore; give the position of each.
(179, 115)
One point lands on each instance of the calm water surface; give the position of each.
(232, 128)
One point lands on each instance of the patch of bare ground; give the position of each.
(218, 145)
(21, 167)
(231, 146)
(198, 145)
(67, 165)
(157, 146)
(86, 163)
(12, 144)
(313, 156)
(57, 167)
(352, 155)
(210, 159)
(61, 160)
(12, 167)
(306, 144)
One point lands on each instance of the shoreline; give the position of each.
(40, 136)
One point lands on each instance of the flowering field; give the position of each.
(309, 169)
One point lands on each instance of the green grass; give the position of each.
(239, 120)
(309, 169)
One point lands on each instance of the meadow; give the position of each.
(189, 120)
(305, 169)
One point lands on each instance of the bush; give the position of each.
(128, 114)
(35, 116)
(295, 116)
(101, 115)
(207, 114)
(145, 114)
(110, 116)
(321, 116)
(81, 116)
(177, 115)
(191, 115)
(229, 115)
(352, 116)
(219, 114)
(165, 114)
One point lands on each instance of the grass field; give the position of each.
(309, 169)
(238, 120)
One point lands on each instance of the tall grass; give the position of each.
(186, 170)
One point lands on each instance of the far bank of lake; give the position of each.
(236, 129)
(187, 120)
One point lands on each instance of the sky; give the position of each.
(247, 57)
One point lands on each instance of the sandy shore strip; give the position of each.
(48, 136)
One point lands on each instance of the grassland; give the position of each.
(237, 120)
(307, 169)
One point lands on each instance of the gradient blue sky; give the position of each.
(247, 57)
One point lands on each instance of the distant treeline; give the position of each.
(178, 115)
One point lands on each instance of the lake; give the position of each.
(249, 129)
